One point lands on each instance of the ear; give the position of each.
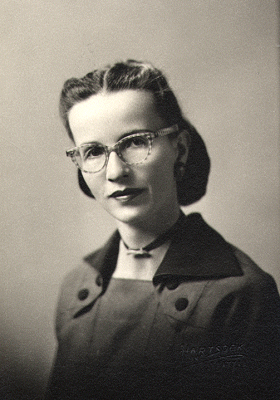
(183, 144)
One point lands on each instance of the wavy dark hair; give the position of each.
(137, 75)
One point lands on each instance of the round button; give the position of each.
(181, 304)
(172, 285)
(99, 280)
(83, 294)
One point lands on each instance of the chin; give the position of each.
(130, 216)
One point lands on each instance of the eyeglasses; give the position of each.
(133, 149)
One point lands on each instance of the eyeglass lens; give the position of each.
(132, 150)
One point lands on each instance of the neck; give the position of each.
(139, 234)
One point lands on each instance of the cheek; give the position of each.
(161, 174)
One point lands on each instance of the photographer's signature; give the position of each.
(214, 358)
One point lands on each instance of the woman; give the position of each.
(167, 309)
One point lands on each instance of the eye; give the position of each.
(135, 142)
(93, 151)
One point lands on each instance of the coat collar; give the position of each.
(196, 252)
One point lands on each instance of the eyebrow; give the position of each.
(135, 131)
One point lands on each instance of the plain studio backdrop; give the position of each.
(221, 58)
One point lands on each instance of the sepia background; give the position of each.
(221, 58)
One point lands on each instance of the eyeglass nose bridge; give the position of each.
(109, 150)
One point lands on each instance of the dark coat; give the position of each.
(212, 331)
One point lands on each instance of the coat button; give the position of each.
(83, 294)
(172, 285)
(99, 280)
(181, 304)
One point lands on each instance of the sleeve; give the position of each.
(64, 374)
(63, 315)
(250, 316)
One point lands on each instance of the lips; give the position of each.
(126, 194)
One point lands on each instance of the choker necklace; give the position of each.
(160, 240)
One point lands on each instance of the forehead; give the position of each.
(107, 115)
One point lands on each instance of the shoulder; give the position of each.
(250, 296)
(80, 287)
(253, 276)
(257, 289)
(253, 286)
(81, 275)
(250, 299)
(84, 284)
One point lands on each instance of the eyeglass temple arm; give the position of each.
(70, 152)
(167, 131)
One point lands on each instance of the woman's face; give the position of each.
(144, 192)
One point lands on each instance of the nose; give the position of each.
(116, 168)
